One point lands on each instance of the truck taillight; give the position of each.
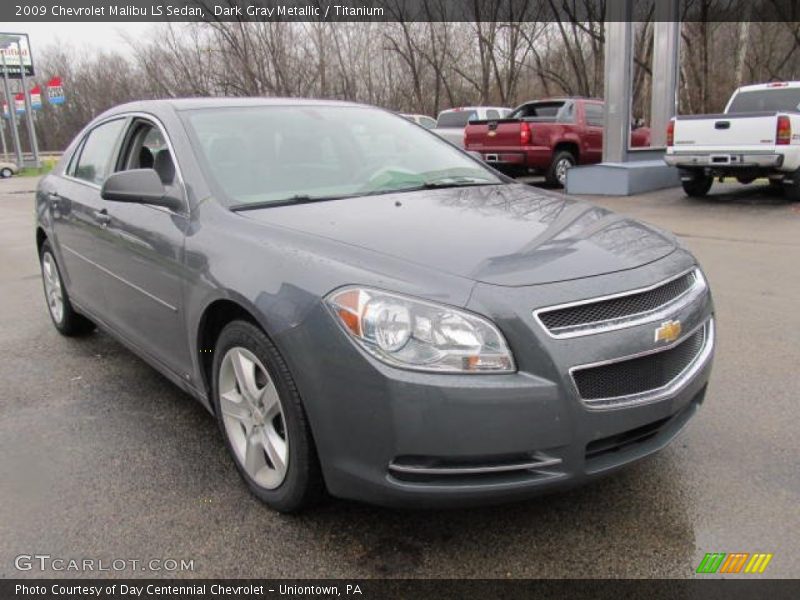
(524, 134)
(671, 133)
(464, 141)
(783, 134)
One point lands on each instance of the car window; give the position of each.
(277, 153)
(146, 148)
(94, 163)
(427, 122)
(567, 113)
(540, 111)
(770, 100)
(455, 119)
(594, 114)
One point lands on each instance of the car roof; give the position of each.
(769, 86)
(180, 104)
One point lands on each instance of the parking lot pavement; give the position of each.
(101, 457)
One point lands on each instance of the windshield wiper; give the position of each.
(296, 199)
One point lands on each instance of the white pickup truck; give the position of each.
(451, 122)
(758, 135)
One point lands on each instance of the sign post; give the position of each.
(22, 70)
(12, 113)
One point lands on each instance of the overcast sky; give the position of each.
(92, 35)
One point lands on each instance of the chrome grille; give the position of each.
(620, 310)
(643, 377)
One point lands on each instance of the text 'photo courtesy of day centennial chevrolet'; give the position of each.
(367, 310)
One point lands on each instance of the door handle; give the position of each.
(102, 217)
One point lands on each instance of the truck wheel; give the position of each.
(698, 185)
(557, 173)
(792, 190)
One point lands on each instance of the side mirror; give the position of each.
(140, 186)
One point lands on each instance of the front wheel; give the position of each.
(5, 172)
(263, 421)
(67, 321)
(557, 173)
(697, 185)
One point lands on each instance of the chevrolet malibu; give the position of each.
(368, 310)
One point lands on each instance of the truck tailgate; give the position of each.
(498, 133)
(725, 132)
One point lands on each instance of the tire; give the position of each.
(65, 318)
(698, 185)
(270, 440)
(792, 190)
(5, 172)
(557, 173)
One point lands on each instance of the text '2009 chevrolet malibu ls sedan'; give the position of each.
(369, 310)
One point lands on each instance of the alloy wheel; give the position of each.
(54, 293)
(253, 417)
(561, 170)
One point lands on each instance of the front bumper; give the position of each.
(402, 438)
(724, 160)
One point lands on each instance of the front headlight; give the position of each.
(415, 334)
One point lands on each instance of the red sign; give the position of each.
(36, 97)
(55, 91)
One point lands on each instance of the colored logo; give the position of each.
(735, 562)
(668, 331)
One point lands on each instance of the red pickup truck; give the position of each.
(545, 136)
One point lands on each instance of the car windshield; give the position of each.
(277, 154)
(787, 99)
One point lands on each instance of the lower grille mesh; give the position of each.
(641, 374)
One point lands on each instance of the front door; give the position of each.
(145, 252)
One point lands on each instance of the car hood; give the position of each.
(508, 235)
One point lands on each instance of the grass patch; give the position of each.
(47, 166)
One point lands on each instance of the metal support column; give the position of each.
(666, 52)
(618, 80)
(28, 109)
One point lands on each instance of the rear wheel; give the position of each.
(66, 320)
(263, 421)
(557, 173)
(697, 185)
(792, 190)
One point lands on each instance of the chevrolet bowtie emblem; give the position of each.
(668, 331)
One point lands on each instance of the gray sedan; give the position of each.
(366, 309)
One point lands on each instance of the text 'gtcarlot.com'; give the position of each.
(47, 562)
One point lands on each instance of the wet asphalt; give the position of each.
(101, 457)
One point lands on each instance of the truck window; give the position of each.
(594, 114)
(456, 119)
(492, 114)
(768, 100)
(540, 111)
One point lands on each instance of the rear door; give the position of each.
(80, 219)
(145, 253)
